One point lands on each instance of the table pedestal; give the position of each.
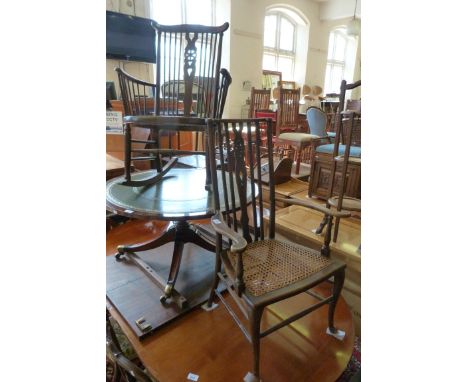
(180, 232)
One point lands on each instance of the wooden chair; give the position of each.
(288, 110)
(286, 125)
(189, 83)
(259, 100)
(343, 153)
(260, 270)
(188, 64)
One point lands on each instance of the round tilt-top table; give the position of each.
(179, 197)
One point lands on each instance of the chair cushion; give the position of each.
(297, 137)
(354, 151)
(271, 264)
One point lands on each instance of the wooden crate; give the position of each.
(295, 223)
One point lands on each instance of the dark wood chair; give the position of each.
(189, 83)
(288, 110)
(259, 100)
(258, 269)
(188, 65)
(287, 123)
(343, 153)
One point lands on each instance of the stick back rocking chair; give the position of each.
(189, 83)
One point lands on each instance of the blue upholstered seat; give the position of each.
(354, 151)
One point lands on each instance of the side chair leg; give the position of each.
(215, 281)
(255, 320)
(335, 232)
(338, 281)
(209, 304)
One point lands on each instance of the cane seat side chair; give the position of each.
(342, 155)
(287, 121)
(189, 83)
(258, 269)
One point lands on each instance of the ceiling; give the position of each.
(338, 9)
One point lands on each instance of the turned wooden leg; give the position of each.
(338, 281)
(335, 232)
(298, 159)
(255, 321)
(217, 270)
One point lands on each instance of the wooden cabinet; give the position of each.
(321, 177)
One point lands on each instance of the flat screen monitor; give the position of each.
(129, 38)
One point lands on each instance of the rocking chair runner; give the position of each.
(261, 270)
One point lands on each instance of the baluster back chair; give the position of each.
(258, 269)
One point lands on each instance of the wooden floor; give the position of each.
(210, 344)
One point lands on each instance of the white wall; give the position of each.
(339, 9)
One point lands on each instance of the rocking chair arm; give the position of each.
(315, 206)
(238, 242)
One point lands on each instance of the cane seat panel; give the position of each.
(271, 264)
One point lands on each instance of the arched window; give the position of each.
(340, 60)
(171, 12)
(279, 43)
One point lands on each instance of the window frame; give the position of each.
(333, 62)
(277, 52)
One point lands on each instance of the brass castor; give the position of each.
(120, 252)
(167, 293)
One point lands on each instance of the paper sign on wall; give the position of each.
(114, 123)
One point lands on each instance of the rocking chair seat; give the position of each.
(270, 265)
